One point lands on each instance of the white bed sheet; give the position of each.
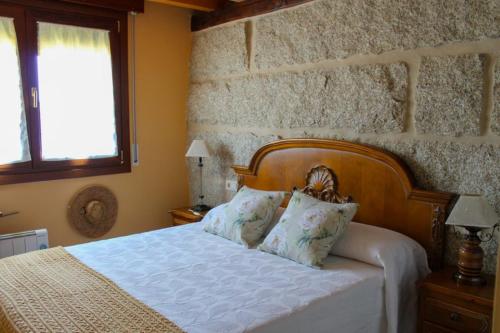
(206, 284)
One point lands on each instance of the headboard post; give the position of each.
(378, 180)
(436, 251)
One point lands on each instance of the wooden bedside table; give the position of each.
(181, 216)
(448, 307)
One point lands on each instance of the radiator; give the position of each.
(22, 242)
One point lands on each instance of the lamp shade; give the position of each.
(472, 211)
(198, 148)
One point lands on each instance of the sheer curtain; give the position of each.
(77, 111)
(14, 146)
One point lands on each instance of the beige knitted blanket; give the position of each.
(52, 291)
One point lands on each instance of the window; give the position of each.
(81, 58)
(63, 92)
(13, 134)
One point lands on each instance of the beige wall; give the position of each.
(159, 183)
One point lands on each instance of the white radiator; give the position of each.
(22, 242)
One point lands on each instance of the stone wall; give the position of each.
(418, 78)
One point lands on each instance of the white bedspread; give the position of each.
(205, 283)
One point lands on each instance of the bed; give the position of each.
(204, 283)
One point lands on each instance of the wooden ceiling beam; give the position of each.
(201, 5)
(120, 5)
(231, 11)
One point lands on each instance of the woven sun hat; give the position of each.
(93, 211)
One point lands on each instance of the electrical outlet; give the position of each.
(231, 185)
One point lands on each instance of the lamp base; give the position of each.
(469, 280)
(201, 208)
(470, 260)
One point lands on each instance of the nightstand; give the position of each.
(181, 216)
(446, 306)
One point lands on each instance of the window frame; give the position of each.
(18, 15)
(26, 14)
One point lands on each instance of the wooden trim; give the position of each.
(124, 119)
(201, 5)
(232, 11)
(62, 174)
(379, 180)
(119, 5)
(63, 7)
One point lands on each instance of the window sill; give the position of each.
(44, 175)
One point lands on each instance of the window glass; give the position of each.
(14, 145)
(77, 111)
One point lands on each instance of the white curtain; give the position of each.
(76, 93)
(14, 146)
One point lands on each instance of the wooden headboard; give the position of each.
(378, 180)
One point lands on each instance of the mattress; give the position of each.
(205, 283)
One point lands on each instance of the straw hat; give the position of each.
(93, 211)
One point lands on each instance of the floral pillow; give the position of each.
(308, 229)
(245, 218)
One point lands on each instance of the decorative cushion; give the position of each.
(245, 218)
(308, 229)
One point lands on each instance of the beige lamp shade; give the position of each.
(472, 211)
(198, 148)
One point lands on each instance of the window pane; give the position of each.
(77, 108)
(14, 146)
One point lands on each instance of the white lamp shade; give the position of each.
(198, 148)
(472, 211)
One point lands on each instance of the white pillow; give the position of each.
(404, 262)
(369, 244)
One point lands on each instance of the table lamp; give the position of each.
(199, 149)
(474, 214)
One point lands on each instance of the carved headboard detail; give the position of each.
(378, 180)
(322, 184)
